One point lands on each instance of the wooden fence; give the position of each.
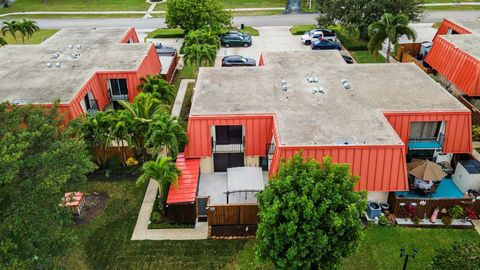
(428, 205)
(181, 213)
(231, 214)
(112, 152)
(475, 111)
(411, 49)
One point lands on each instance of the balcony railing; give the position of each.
(228, 148)
(426, 142)
(114, 97)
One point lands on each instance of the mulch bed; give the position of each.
(94, 205)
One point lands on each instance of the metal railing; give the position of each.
(93, 107)
(116, 97)
(436, 142)
(228, 148)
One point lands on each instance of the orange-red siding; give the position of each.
(380, 168)
(446, 24)
(258, 133)
(459, 67)
(458, 129)
(131, 34)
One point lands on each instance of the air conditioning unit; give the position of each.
(467, 175)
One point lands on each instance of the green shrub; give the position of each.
(447, 220)
(476, 132)
(156, 217)
(349, 40)
(300, 29)
(457, 212)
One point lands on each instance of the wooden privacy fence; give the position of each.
(240, 214)
(411, 49)
(428, 205)
(475, 111)
(181, 213)
(112, 152)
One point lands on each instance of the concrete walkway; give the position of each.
(182, 89)
(476, 223)
(147, 13)
(141, 231)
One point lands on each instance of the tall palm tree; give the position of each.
(162, 170)
(201, 36)
(165, 132)
(11, 27)
(391, 28)
(27, 28)
(159, 87)
(200, 54)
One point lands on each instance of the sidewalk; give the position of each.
(177, 106)
(146, 13)
(141, 231)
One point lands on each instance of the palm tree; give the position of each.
(3, 42)
(199, 54)
(201, 36)
(141, 112)
(162, 170)
(156, 85)
(98, 132)
(165, 132)
(11, 27)
(27, 28)
(389, 27)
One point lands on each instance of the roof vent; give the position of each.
(79, 46)
(58, 65)
(70, 47)
(55, 55)
(75, 55)
(19, 102)
(49, 65)
(285, 86)
(345, 84)
(345, 141)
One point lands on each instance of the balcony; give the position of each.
(228, 148)
(432, 143)
(116, 97)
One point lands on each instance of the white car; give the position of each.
(317, 34)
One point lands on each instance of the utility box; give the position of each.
(467, 175)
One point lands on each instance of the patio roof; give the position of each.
(187, 186)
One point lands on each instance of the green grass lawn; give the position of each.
(300, 29)
(105, 242)
(71, 16)
(37, 38)
(364, 57)
(187, 102)
(77, 5)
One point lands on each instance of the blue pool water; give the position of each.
(424, 145)
(446, 189)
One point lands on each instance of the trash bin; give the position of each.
(242, 26)
(385, 206)
(373, 210)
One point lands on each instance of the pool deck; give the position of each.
(446, 190)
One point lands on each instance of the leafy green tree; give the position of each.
(359, 14)
(390, 28)
(27, 28)
(309, 215)
(99, 132)
(11, 27)
(162, 170)
(166, 133)
(461, 255)
(201, 36)
(162, 90)
(41, 160)
(193, 15)
(200, 54)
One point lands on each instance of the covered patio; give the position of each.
(241, 185)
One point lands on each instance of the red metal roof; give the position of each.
(186, 190)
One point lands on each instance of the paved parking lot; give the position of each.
(271, 39)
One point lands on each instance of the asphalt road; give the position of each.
(272, 20)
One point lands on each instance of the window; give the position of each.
(118, 87)
(424, 129)
(228, 134)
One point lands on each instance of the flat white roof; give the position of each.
(333, 114)
(24, 74)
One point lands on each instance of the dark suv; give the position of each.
(237, 60)
(236, 39)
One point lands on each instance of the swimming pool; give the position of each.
(446, 189)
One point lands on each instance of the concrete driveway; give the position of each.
(271, 39)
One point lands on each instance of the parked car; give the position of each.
(234, 32)
(237, 60)
(325, 45)
(348, 59)
(228, 40)
(317, 34)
